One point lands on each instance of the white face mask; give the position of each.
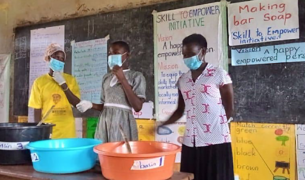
(115, 60)
(193, 62)
(56, 65)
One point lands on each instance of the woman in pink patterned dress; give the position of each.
(206, 98)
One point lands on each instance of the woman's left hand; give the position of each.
(118, 72)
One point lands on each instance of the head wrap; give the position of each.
(51, 49)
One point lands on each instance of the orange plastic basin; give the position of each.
(149, 160)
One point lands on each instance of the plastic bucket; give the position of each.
(15, 136)
(149, 160)
(62, 156)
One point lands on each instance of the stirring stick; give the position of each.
(125, 139)
(45, 116)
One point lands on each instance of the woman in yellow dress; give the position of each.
(59, 89)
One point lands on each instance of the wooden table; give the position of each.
(22, 172)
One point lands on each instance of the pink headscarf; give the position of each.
(51, 49)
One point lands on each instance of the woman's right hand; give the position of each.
(84, 105)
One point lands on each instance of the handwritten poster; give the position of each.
(263, 21)
(171, 134)
(89, 65)
(144, 129)
(300, 142)
(263, 151)
(79, 127)
(4, 86)
(40, 40)
(170, 28)
(146, 111)
(22, 119)
(285, 53)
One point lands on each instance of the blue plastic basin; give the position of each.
(61, 156)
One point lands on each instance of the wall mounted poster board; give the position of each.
(263, 151)
(253, 22)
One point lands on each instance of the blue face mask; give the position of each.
(193, 62)
(56, 65)
(115, 60)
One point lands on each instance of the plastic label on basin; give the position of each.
(148, 163)
(13, 145)
(34, 157)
